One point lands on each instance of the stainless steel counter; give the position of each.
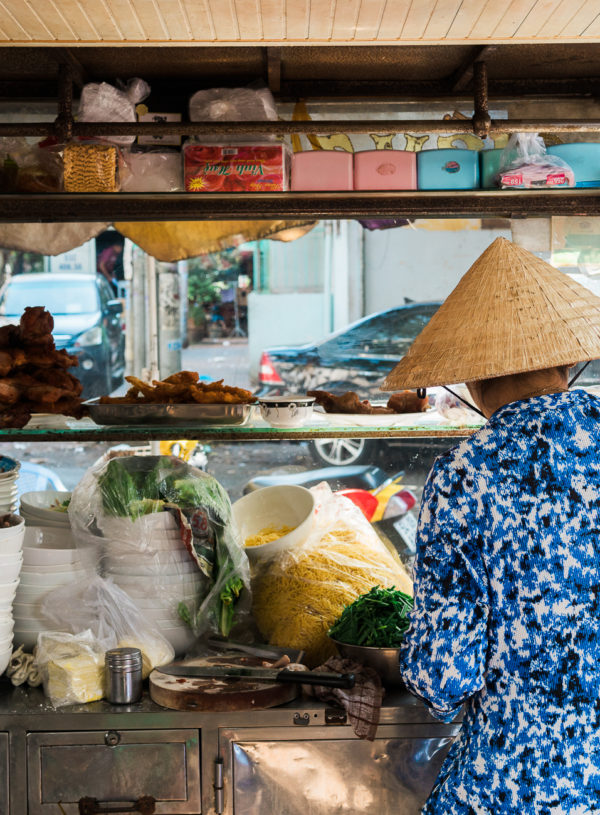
(118, 753)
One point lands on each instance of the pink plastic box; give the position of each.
(385, 170)
(322, 170)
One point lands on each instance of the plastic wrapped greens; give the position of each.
(167, 538)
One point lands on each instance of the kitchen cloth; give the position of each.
(22, 668)
(362, 703)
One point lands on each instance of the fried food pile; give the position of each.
(33, 374)
(349, 402)
(179, 388)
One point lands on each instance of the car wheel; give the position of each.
(342, 452)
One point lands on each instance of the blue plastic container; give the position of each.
(489, 167)
(448, 169)
(583, 158)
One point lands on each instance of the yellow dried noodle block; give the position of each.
(90, 168)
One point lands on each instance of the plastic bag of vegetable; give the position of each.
(166, 537)
(301, 592)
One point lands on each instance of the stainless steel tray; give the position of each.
(188, 414)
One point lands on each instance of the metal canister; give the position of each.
(123, 675)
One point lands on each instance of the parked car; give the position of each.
(87, 322)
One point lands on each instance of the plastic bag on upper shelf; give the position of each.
(101, 102)
(301, 592)
(167, 538)
(233, 105)
(151, 171)
(30, 167)
(525, 163)
(72, 667)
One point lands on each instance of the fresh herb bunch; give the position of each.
(378, 619)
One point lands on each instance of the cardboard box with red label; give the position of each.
(235, 168)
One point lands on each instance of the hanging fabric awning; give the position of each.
(47, 239)
(177, 240)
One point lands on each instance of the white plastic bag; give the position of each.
(525, 163)
(101, 102)
(152, 171)
(72, 667)
(300, 593)
(100, 606)
(232, 104)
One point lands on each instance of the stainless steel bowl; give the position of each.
(382, 660)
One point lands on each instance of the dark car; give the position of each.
(87, 322)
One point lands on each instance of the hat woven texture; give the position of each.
(510, 313)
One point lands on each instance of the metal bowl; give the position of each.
(383, 660)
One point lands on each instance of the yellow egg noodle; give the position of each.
(301, 593)
(268, 534)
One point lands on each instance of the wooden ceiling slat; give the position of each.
(489, 18)
(466, 18)
(512, 18)
(417, 19)
(225, 20)
(345, 20)
(393, 18)
(104, 27)
(536, 17)
(369, 19)
(273, 19)
(152, 19)
(200, 19)
(249, 20)
(582, 20)
(29, 20)
(441, 19)
(173, 18)
(78, 20)
(56, 21)
(297, 20)
(593, 30)
(129, 23)
(555, 23)
(321, 19)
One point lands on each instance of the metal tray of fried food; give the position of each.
(177, 414)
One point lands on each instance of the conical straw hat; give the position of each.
(510, 313)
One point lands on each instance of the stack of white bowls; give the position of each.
(36, 509)
(9, 470)
(11, 558)
(148, 560)
(50, 559)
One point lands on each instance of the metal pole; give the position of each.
(481, 118)
(152, 357)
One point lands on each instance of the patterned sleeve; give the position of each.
(442, 659)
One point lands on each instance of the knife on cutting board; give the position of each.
(327, 679)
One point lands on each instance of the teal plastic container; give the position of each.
(583, 158)
(448, 169)
(489, 167)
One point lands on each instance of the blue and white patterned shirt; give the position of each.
(507, 611)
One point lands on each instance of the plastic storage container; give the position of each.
(448, 169)
(385, 170)
(322, 170)
(489, 167)
(583, 158)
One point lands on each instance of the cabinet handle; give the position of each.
(146, 805)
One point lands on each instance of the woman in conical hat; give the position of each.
(507, 574)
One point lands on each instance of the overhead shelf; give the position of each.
(68, 207)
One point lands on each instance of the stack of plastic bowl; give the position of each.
(148, 560)
(11, 558)
(9, 470)
(37, 509)
(50, 559)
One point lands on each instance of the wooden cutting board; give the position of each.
(195, 693)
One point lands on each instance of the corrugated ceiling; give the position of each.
(279, 22)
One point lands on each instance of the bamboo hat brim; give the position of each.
(510, 313)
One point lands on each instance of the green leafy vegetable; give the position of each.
(119, 489)
(378, 619)
(229, 594)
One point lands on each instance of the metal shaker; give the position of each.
(123, 675)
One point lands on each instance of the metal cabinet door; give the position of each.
(4, 776)
(114, 766)
(327, 771)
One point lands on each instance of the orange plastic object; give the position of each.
(364, 500)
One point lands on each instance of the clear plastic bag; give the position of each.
(151, 171)
(166, 536)
(232, 104)
(27, 167)
(101, 102)
(100, 606)
(72, 667)
(300, 593)
(525, 163)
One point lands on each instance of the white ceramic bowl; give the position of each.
(147, 527)
(6, 643)
(44, 546)
(141, 589)
(14, 531)
(7, 590)
(26, 638)
(36, 580)
(10, 570)
(160, 558)
(40, 501)
(30, 611)
(40, 520)
(30, 625)
(6, 626)
(5, 659)
(168, 542)
(10, 557)
(12, 545)
(152, 569)
(181, 637)
(286, 411)
(281, 505)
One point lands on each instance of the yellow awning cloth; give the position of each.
(177, 240)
